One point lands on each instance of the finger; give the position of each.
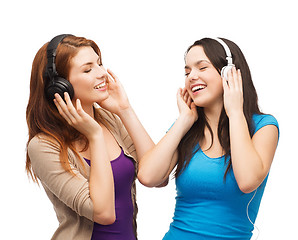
(68, 100)
(193, 106)
(58, 107)
(225, 85)
(184, 97)
(188, 99)
(112, 75)
(110, 78)
(179, 92)
(60, 102)
(67, 108)
(71, 109)
(235, 78)
(184, 94)
(80, 110)
(230, 79)
(57, 102)
(240, 80)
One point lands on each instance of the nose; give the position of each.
(193, 75)
(101, 72)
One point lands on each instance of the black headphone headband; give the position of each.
(51, 55)
(56, 84)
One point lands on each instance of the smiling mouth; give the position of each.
(101, 85)
(198, 88)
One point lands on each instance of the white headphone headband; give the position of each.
(228, 67)
(227, 50)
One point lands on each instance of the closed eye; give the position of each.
(87, 71)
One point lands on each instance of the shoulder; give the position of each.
(112, 122)
(118, 130)
(108, 117)
(41, 142)
(262, 120)
(42, 148)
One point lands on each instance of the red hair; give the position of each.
(42, 116)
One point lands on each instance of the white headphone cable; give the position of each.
(255, 227)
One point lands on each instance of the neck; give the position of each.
(213, 115)
(208, 143)
(89, 111)
(88, 108)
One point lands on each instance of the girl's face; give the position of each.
(88, 77)
(203, 82)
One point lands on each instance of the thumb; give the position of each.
(193, 106)
(79, 107)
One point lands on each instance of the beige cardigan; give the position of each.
(70, 194)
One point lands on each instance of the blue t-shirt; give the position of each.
(209, 208)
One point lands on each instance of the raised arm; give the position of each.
(251, 157)
(118, 103)
(157, 164)
(101, 182)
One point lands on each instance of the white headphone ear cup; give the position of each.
(225, 70)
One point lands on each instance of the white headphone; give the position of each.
(228, 67)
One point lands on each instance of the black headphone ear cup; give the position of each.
(59, 85)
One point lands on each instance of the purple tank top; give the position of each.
(122, 229)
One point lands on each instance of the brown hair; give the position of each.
(42, 116)
(189, 144)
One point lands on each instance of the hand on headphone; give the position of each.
(76, 116)
(233, 92)
(187, 107)
(117, 102)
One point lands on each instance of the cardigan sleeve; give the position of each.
(72, 190)
(125, 137)
(120, 131)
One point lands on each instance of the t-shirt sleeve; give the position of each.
(264, 120)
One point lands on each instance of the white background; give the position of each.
(144, 42)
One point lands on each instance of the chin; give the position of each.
(100, 100)
(207, 101)
(200, 103)
(102, 97)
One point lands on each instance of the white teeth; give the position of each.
(101, 85)
(199, 87)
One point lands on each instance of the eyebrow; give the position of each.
(197, 63)
(90, 63)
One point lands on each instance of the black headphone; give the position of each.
(56, 84)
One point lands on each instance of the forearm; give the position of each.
(247, 164)
(136, 131)
(157, 164)
(101, 182)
